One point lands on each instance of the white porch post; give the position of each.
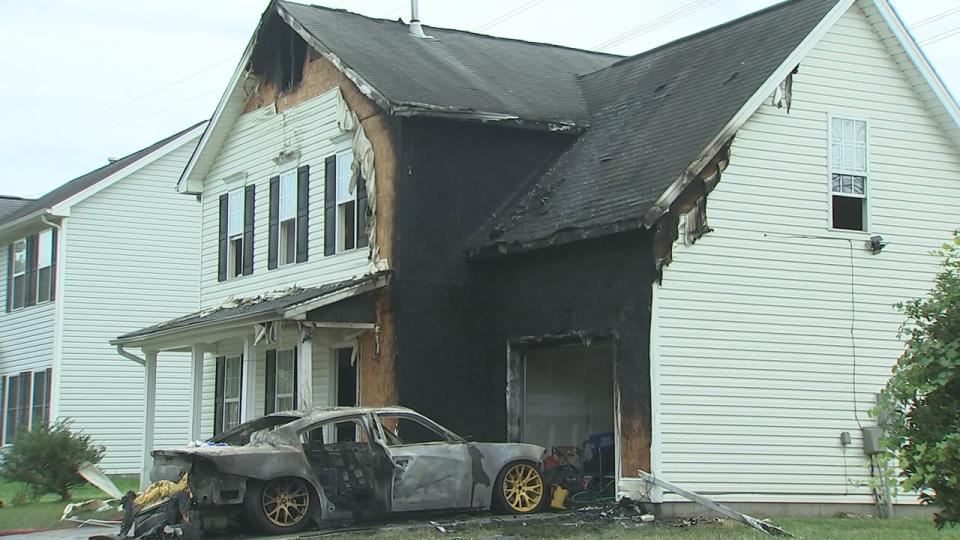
(196, 392)
(305, 372)
(248, 395)
(149, 417)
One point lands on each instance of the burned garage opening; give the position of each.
(562, 398)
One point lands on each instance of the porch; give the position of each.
(291, 349)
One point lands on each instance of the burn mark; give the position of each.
(477, 474)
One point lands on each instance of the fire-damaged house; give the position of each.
(685, 260)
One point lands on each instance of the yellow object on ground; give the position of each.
(158, 491)
(559, 498)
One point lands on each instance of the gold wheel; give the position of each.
(286, 502)
(522, 488)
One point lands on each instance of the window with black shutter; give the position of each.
(236, 233)
(249, 203)
(281, 381)
(17, 289)
(283, 219)
(227, 393)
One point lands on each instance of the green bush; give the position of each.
(46, 459)
(922, 399)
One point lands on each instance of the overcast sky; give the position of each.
(87, 80)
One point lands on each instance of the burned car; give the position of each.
(284, 471)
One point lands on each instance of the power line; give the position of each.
(675, 15)
(507, 16)
(934, 18)
(941, 36)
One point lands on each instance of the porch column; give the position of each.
(196, 392)
(305, 372)
(149, 416)
(249, 377)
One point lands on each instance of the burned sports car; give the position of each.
(284, 471)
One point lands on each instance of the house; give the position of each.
(686, 259)
(107, 252)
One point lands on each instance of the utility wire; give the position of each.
(935, 18)
(677, 14)
(941, 36)
(507, 16)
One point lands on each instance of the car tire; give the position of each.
(519, 489)
(280, 505)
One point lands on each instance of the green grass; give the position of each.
(45, 513)
(805, 528)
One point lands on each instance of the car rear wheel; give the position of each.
(281, 505)
(519, 488)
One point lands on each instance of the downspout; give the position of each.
(130, 356)
(57, 315)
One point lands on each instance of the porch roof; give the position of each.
(292, 304)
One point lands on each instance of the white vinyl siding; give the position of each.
(255, 140)
(753, 352)
(130, 262)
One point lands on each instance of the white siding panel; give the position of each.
(132, 254)
(255, 140)
(757, 371)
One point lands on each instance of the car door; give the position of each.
(431, 468)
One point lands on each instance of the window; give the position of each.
(232, 376)
(849, 166)
(346, 204)
(40, 413)
(45, 251)
(235, 233)
(27, 402)
(14, 404)
(18, 289)
(285, 389)
(402, 430)
(288, 218)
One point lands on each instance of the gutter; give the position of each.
(12, 225)
(130, 356)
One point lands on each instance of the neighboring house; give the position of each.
(107, 252)
(514, 238)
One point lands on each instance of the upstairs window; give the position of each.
(45, 251)
(346, 204)
(18, 275)
(849, 174)
(235, 233)
(288, 218)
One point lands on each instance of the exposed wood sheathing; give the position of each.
(377, 380)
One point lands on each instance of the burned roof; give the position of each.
(456, 70)
(650, 117)
(269, 304)
(81, 183)
(10, 204)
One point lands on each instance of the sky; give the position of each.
(88, 80)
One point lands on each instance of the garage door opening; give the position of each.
(565, 402)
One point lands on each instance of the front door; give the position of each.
(432, 471)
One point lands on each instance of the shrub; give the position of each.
(922, 399)
(46, 459)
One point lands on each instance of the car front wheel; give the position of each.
(519, 488)
(281, 505)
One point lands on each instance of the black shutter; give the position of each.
(10, 256)
(47, 398)
(330, 206)
(303, 213)
(363, 213)
(224, 237)
(53, 264)
(32, 259)
(296, 404)
(273, 228)
(270, 404)
(24, 399)
(248, 209)
(218, 394)
(3, 407)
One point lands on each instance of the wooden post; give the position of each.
(196, 392)
(305, 372)
(150, 413)
(249, 390)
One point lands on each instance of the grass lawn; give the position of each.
(806, 528)
(45, 513)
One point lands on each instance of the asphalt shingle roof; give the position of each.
(650, 116)
(459, 70)
(81, 183)
(10, 204)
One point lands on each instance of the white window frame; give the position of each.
(831, 170)
(45, 238)
(23, 274)
(289, 177)
(235, 197)
(227, 421)
(344, 199)
(285, 355)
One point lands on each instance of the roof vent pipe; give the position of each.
(415, 29)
